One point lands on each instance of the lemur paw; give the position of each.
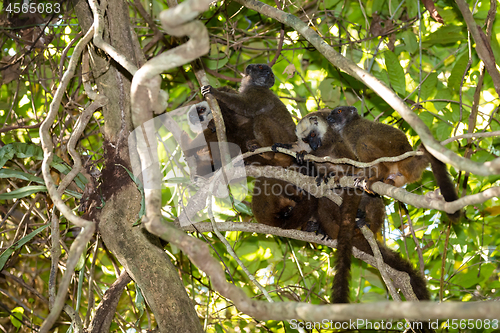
(315, 226)
(322, 179)
(287, 212)
(329, 176)
(361, 222)
(252, 145)
(322, 232)
(300, 157)
(211, 126)
(206, 90)
(280, 145)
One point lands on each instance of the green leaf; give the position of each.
(444, 35)
(81, 262)
(472, 276)
(481, 156)
(329, 4)
(9, 173)
(396, 73)
(29, 190)
(448, 15)
(377, 6)
(23, 192)
(428, 86)
(443, 94)
(139, 299)
(139, 302)
(427, 118)
(243, 208)
(28, 150)
(20, 150)
(411, 7)
(443, 130)
(137, 182)
(217, 63)
(382, 76)
(457, 72)
(410, 41)
(16, 316)
(394, 5)
(329, 94)
(17, 245)
(178, 180)
(218, 328)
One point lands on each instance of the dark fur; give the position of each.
(370, 140)
(339, 222)
(266, 115)
(335, 221)
(281, 204)
(238, 132)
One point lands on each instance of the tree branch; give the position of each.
(199, 254)
(483, 47)
(433, 146)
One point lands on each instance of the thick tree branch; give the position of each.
(402, 279)
(483, 47)
(106, 310)
(199, 254)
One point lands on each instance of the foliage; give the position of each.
(433, 66)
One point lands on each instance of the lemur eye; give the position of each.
(313, 135)
(260, 67)
(306, 140)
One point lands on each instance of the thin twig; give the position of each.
(380, 262)
(231, 251)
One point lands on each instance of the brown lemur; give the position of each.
(371, 140)
(199, 149)
(282, 204)
(322, 140)
(256, 109)
(314, 131)
(264, 112)
(203, 148)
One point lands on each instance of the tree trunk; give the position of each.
(138, 251)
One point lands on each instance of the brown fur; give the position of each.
(266, 115)
(339, 222)
(370, 140)
(280, 204)
(335, 221)
(238, 134)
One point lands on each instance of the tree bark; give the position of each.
(138, 251)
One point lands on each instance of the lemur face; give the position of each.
(261, 74)
(341, 115)
(310, 131)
